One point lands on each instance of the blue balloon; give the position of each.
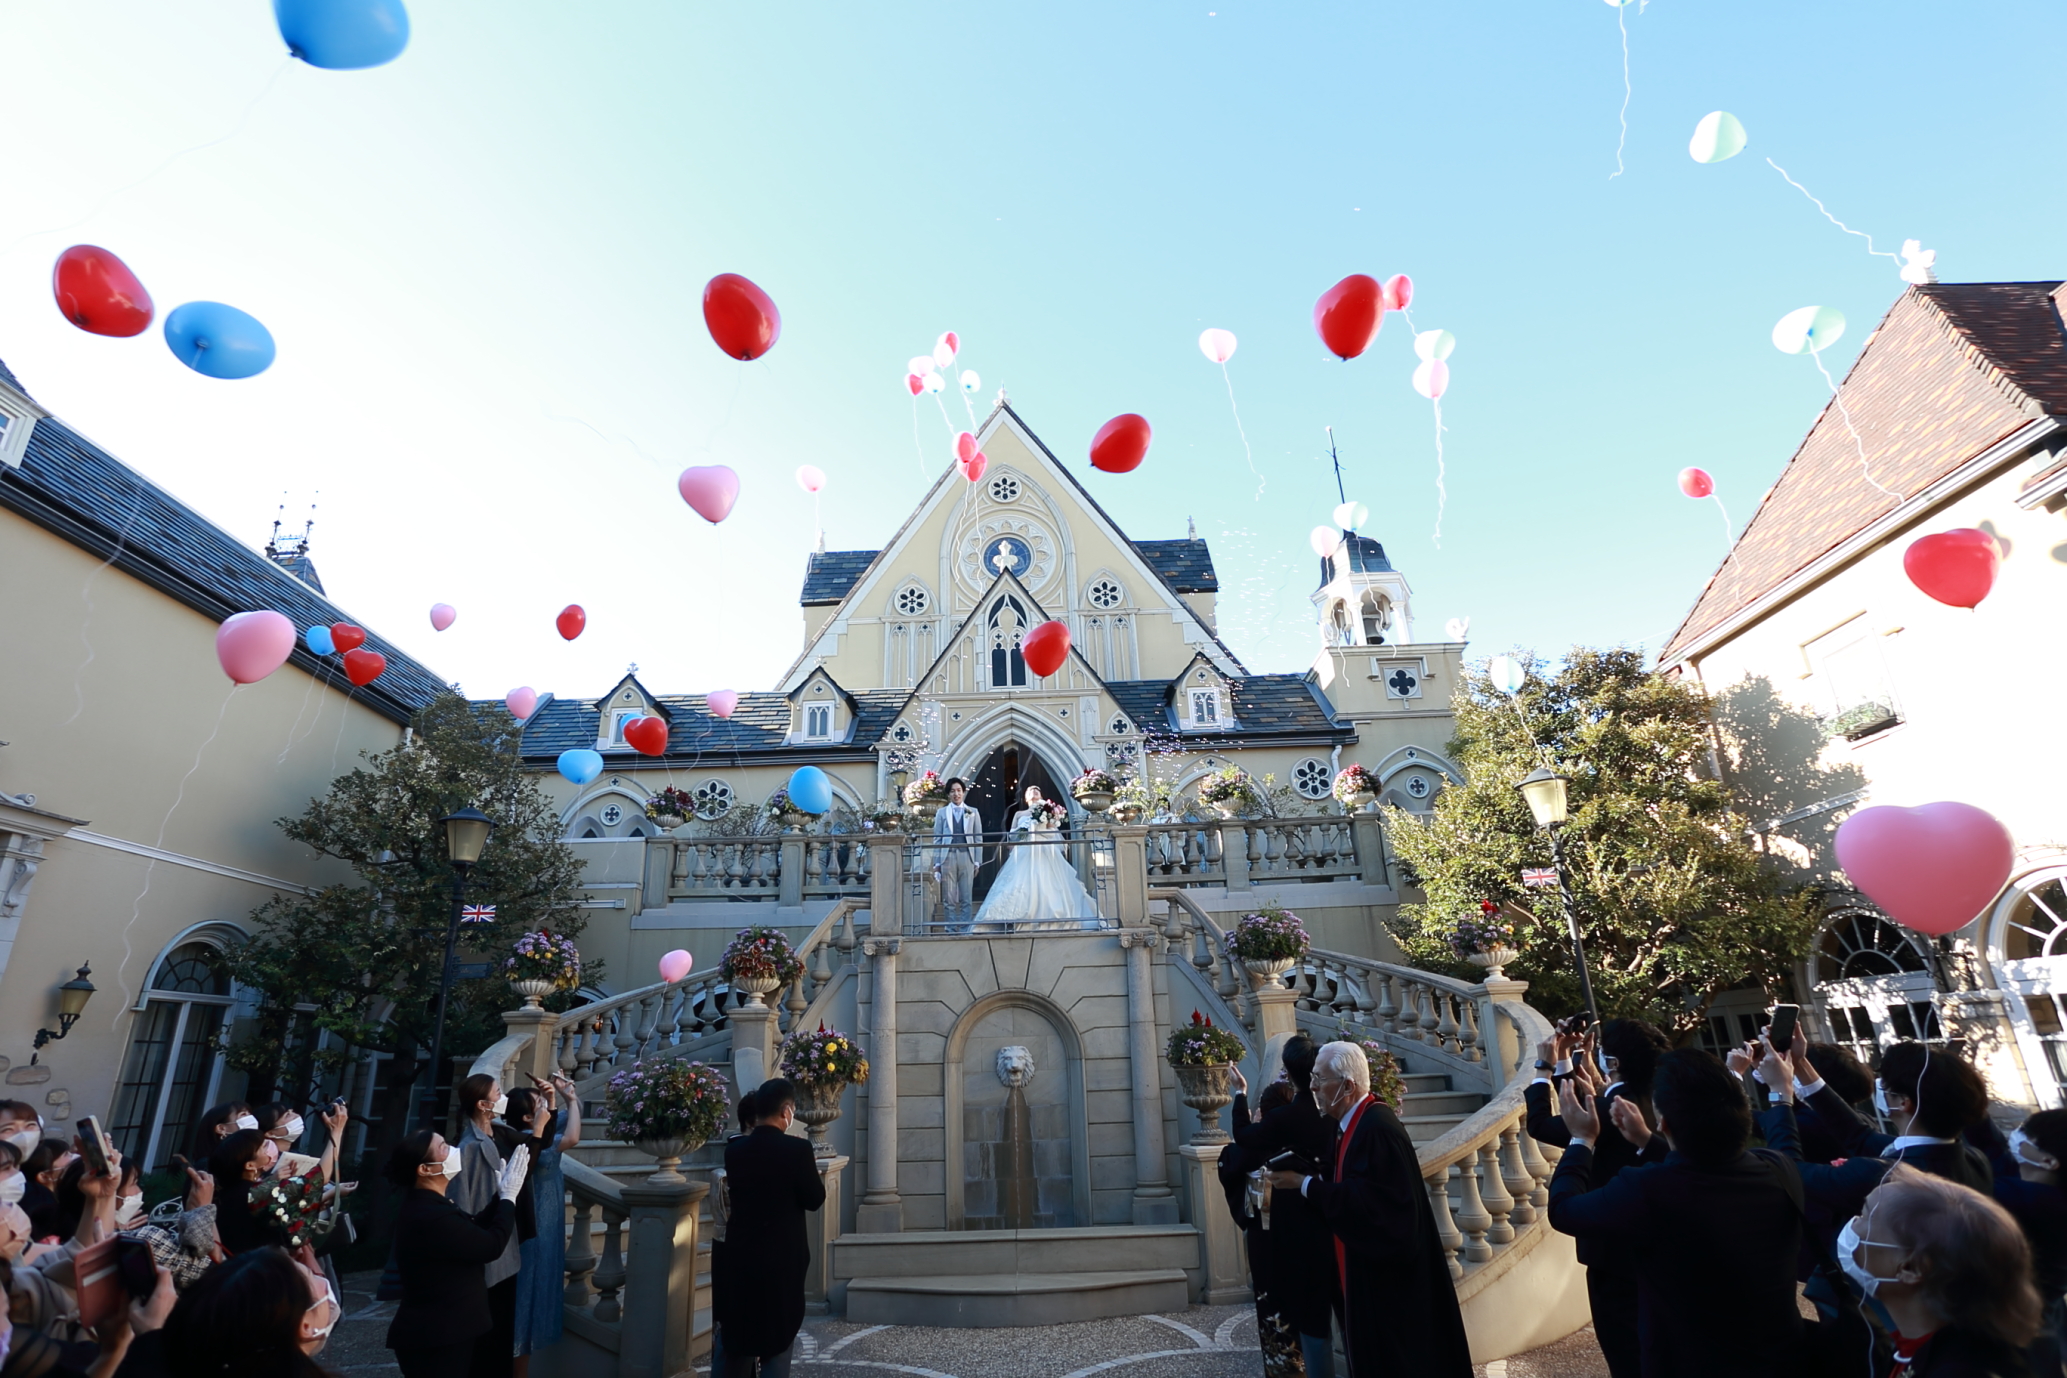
(319, 641)
(580, 765)
(810, 790)
(219, 341)
(343, 35)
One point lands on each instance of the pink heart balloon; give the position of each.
(810, 478)
(251, 645)
(522, 702)
(722, 701)
(711, 489)
(1217, 345)
(965, 447)
(915, 383)
(973, 470)
(442, 616)
(675, 965)
(1934, 867)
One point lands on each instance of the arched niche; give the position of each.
(976, 1102)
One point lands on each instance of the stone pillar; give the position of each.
(660, 861)
(1154, 1203)
(1130, 875)
(886, 884)
(824, 1225)
(1225, 1272)
(1234, 852)
(660, 1278)
(881, 1210)
(753, 1043)
(789, 881)
(1504, 1055)
(1370, 847)
(1277, 1019)
(544, 1027)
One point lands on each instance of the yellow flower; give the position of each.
(828, 1067)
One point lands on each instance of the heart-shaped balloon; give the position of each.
(647, 736)
(965, 447)
(921, 364)
(580, 765)
(97, 292)
(442, 616)
(742, 318)
(710, 489)
(522, 701)
(1695, 483)
(1934, 867)
(935, 383)
(344, 636)
(1348, 315)
(571, 621)
(675, 965)
(251, 645)
(1399, 292)
(1217, 344)
(1121, 444)
(319, 641)
(1956, 567)
(915, 383)
(810, 477)
(362, 666)
(722, 701)
(1046, 647)
(973, 470)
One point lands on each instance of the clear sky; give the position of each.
(483, 265)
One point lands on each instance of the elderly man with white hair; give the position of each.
(1396, 1306)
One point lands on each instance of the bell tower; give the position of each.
(1362, 600)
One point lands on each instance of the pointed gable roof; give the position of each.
(1952, 371)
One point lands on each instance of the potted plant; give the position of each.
(778, 809)
(1386, 1082)
(1094, 789)
(541, 963)
(668, 1107)
(924, 796)
(1137, 799)
(884, 818)
(1227, 791)
(671, 808)
(821, 1065)
(1268, 941)
(1356, 788)
(1486, 939)
(759, 961)
(1203, 1057)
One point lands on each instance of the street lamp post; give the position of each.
(466, 835)
(1543, 790)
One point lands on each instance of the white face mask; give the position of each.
(246, 1121)
(2022, 1147)
(11, 1188)
(502, 1103)
(26, 1138)
(1880, 1099)
(1848, 1242)
(290, 1129)
(128, 1210)
(326, 1304)
(450, 1167)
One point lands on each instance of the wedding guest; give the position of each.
(551, 1118)
(481, 1099)
(773, 1182)
(1301, 1249)
(443, 1253)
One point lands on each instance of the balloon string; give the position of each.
(1729, 531)
(1878, 253)
(1442, 496)
(344, 716)
(918, 446)
(297, 719)
(329, 682)
(945, 419)
(1622, 23)
(86, 595)
(1837, 396)
(606, 438)
(1239, 430)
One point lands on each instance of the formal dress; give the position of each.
(1399, 1313)
(542, 1259)
(442, 1253)
(1295, 1278)
(772, 1181)
(1036, 888)
(957, 845)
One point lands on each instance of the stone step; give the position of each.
(1420, 1082)
(1443, 1102)
(1424, 1129)
(933, 1253)
(986, 1300)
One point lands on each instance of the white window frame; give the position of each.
(1215, 716)
(818, 721)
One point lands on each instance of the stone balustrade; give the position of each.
(782, 868)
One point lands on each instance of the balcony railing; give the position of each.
(784, 867)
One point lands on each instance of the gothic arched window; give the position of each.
(1007, 630)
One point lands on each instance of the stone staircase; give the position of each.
(1014, 1277)
(1432, 1107)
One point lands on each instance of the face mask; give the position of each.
(129, 1210)
(450, 1167)
(290, 1128)
(26, 1139)
(502, 1103)
(1848, 1243)
(11, 1188)
(246, 1121)
(326, 1304)
(1880, 1099)
(2021, 1148)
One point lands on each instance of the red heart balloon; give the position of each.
(1348, 315)
(965, 447)
(742, 318)
(98, 293)
(1045, 648)
(1934, 867)
(362, 667)
(1121, 444)
(647, 736)
(973, 469)
(344, 636)
(571, 620)
(915, 383)
(1956, 567)
(1399, 292)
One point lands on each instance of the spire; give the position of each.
(291, 553)
(1191, 528)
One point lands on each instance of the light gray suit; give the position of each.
(956, 860)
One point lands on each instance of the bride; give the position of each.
(1036, 887)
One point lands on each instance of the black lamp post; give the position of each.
(466, 836)
(71, 1003)
(1543, 790)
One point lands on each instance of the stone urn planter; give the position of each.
(925, 809)
(1095, 800)
(1493, 959)
(1228, 811)
(1127, 814)
(669, 821)
(818, 1105)
(534, 991)
(1357, 803)
(1267, 968)
(754, 988)
(1206, 1088)
(667, 1157)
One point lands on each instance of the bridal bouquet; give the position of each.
(1049, 813)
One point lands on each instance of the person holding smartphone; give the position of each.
(549, 1114)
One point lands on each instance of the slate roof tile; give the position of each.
(830, 574)
(1263, 705)
(758, 725)
(1187, 565)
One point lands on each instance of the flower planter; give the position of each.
(1492, 959)
(534, 992)
(818, 1105)
(1265, 968)
(669, 821)
(755, 987)
(1095, 800)
(667, 1155)
(925, 809)
(1205, 1088)
(1228, 812)
(1358, 803)
(1128, 814)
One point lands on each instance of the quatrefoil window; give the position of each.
(1310, 778)
(1105, 594)
(1004, 488)
(712, 797)
(611, 814)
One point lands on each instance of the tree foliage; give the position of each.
(1675, 903)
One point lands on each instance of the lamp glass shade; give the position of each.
(1544, 791)
(73, 994)
(466, 835)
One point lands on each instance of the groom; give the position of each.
(957, 840)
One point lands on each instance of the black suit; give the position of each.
(1399, 1309)
(1715, 1249)
(440, 1252)
(773, 1181)
(1301, 1263)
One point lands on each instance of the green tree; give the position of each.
(1675, 903)
(362, 961)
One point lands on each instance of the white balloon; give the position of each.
(935, 383)
(1351, 516)
(921, 364)
(1325, 540)
(1719, 135)
(1810, 330)
(943, 352)
(1217, 344)
(1434, 344)
(970, 382)
(1432, 379)
(1456, 628)
(1507, 675)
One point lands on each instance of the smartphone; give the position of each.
(1786, 1018)
(138, 1269)
(95, 1147)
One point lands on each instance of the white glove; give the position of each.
(514, 1172)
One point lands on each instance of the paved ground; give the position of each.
(1199, 1342)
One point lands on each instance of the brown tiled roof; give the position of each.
(1951, 370)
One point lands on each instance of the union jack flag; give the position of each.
(477, 913)
(1539, 877)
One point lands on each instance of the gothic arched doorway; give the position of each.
(995, 791)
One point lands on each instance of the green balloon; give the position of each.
(1810, 330)
(1720, 135)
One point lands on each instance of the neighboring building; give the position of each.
(1839, 684)
(138, 789)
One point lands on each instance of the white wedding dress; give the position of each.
(1036, 888)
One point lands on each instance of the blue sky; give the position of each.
(483, 265)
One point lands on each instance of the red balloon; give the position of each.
(648, 736)
(1956, 567)
(742, 318)
(1045, 648)
(344, 636)
(972, 468)
(97, 292)
(915, 383)
(1695, 483)
(1348, 315)
(1121, 444)
(571, 621)
(1399, 292)
(362, 667)
(965, 447)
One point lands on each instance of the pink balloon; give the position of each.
(722, 701)
(965, 447)
(973, 470)
(1217, 345)
(521, 701)
(1695, 483)
(1398, 294)
(251, 645)
(914, 383)
(921, 364)
(675, 965)
(1934, 867)
(711, 489)
(442, 616)
(810, 478)
(1432, 378)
